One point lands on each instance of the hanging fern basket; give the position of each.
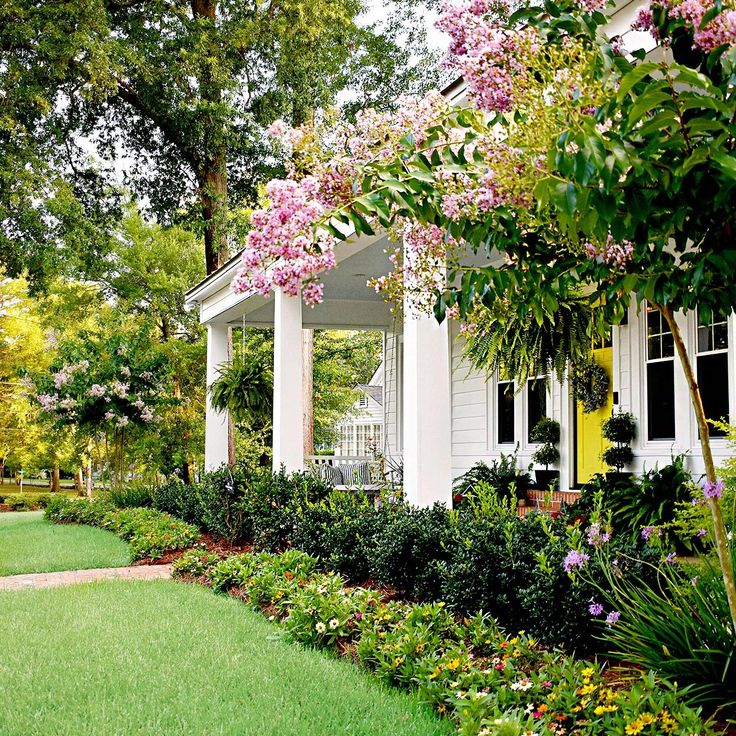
(590, 384)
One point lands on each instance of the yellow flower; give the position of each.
(587, 689)
(588, 672)
(515, 640)
(634, 728)
(453, 664)
(531, 642)
(517, 652)
(646, 719)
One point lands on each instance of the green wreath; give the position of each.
(590, 384)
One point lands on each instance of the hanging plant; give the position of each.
(590, 384)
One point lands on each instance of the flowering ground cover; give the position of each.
(489, 682)
(158, 657)
(29, 544)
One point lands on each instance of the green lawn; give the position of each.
(164, 658)
(30, 544)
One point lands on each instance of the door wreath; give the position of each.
(590, 384)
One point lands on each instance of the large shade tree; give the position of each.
(183, 89)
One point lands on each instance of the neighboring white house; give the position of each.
(362, 427)
(441, 416)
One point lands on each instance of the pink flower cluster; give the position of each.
(617, 255)
(719, 31)
(282, 250)
(489, 57)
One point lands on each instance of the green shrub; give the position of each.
(150, 532)
(62, 510)
(339, 530)
(502, 475)
(132, 495)
(410, 550)
(230, 572)
(178, 499)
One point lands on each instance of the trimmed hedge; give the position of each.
(149, 532)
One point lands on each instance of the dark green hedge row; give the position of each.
(481, 557)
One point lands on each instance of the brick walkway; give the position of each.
(50, 579)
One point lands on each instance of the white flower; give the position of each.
(96, 390)
(320, 627)
(125, 371)
(334, 623)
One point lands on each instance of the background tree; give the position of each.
(183, 88)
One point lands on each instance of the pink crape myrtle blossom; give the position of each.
(714, 33)
(491, 59)
(282, 250)
(48, 402)
(617, 255)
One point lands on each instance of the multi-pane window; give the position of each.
(712, 369)
(376, 435)
(347, 439)
(362, 432)
(505, 412)
(660, 377)
(536, 403)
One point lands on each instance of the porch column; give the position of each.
(426, 390)
(215, 433)
(288, 397)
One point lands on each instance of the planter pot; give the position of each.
(618, 477)
(545, 478)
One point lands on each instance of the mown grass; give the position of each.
(159, 657)
(30, 544)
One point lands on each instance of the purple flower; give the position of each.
(670, 559)
(612, 618)
(596, 609)
(575, 559)
(713, 489)
(596, 536)
(647, 532)
(701, 533)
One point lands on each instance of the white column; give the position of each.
(427, 432)
(288, 397)
(215, 434)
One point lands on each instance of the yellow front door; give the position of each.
(590, 440)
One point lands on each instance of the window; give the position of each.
(376, 436)
(505, 412)
(346, 440)
(536, 403)
(712, 370)
(363, 401)
(362, 431)
(660, 377)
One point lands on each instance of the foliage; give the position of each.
(619, 427)
(468, 669)
(194, 562)
(149, 532)
(178, 499)
(617, 456)
(520, 347)
(166, 85)
(694, 647)
(27, 503)
(546, 431)
(130, 495)
(245, 389)
(590, 384)
(410, 549)
(502, 474)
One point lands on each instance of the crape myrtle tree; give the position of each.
(105, 387)
(580, 169)
(183, 88)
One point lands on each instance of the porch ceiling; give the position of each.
(348, 304)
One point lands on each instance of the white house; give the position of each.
(439, 415)
(362, 426)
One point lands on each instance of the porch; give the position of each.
(417, 418)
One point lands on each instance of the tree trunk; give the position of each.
(719, 528)
(55, 481)
(308, 389)
(88, 488)
(79, 484)
(212, 184)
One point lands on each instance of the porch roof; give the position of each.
(348, 301)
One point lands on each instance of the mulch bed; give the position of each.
(212, 544)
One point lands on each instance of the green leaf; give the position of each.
(726, 164)
(639, 72)
(647, 102)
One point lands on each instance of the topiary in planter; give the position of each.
(620, 429)
(546, 431)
